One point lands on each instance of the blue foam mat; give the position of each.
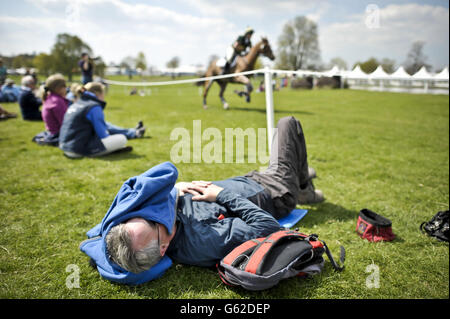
(293, 218)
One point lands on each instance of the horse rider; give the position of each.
(239, 47)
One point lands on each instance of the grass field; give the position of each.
(383, 151)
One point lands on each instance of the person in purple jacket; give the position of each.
(55, 104)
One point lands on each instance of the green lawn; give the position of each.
(384, 151)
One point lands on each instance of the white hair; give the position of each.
(120, 250)
(27, 80)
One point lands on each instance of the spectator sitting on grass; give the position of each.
(151, 217)
(4, 114)
(73, 93)
(28, 102)
(10, 92)
(84, 131)
(55, 103)
(3, 72)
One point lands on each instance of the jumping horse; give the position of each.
(242, 64)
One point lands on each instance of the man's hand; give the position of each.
(207, 194)
(202, 191)
(182, 187)
(185, 187)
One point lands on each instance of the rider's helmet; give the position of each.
(249, 31)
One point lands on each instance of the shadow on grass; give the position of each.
(181, 281)
(326, 211)
(248, 109)
(119, 157)
(110, 157)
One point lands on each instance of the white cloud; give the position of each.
(115, 29)
(162, 33)
(31, 23)
(399, 27)
(253, 9)
(27, 34)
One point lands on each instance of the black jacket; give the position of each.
(29, 105)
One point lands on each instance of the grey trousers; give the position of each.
(288, 167)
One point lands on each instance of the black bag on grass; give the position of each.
(438, 226)
(261, 263)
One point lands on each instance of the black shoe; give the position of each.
(310, 195)
(140, 124)
(123, 150)
(140, 130)
(226, 69)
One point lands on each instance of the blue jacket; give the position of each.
(203, 239)
(150, 195)
(10, 93)
(97, 118)
(77, 132)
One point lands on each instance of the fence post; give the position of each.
(269, 105)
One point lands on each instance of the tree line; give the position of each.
(298, 48)
(64, 56)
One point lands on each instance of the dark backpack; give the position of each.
(261, 263)
(438, 226)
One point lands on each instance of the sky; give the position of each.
(194, 30)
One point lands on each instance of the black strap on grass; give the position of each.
(335, 265)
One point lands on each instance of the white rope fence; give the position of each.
(267, 85)
(267, 88)
(173, 82)
(216, 77)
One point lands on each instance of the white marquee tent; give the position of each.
(421, 81)
(357, 73)
(400, 74)
(399, 81)
(443, 75)
(333, 72)
(379, 74)
(422, 74)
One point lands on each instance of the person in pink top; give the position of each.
(55, 104)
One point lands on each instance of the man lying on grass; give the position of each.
(199, 223)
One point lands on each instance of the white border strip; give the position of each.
(217, 77)
(212, 78)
